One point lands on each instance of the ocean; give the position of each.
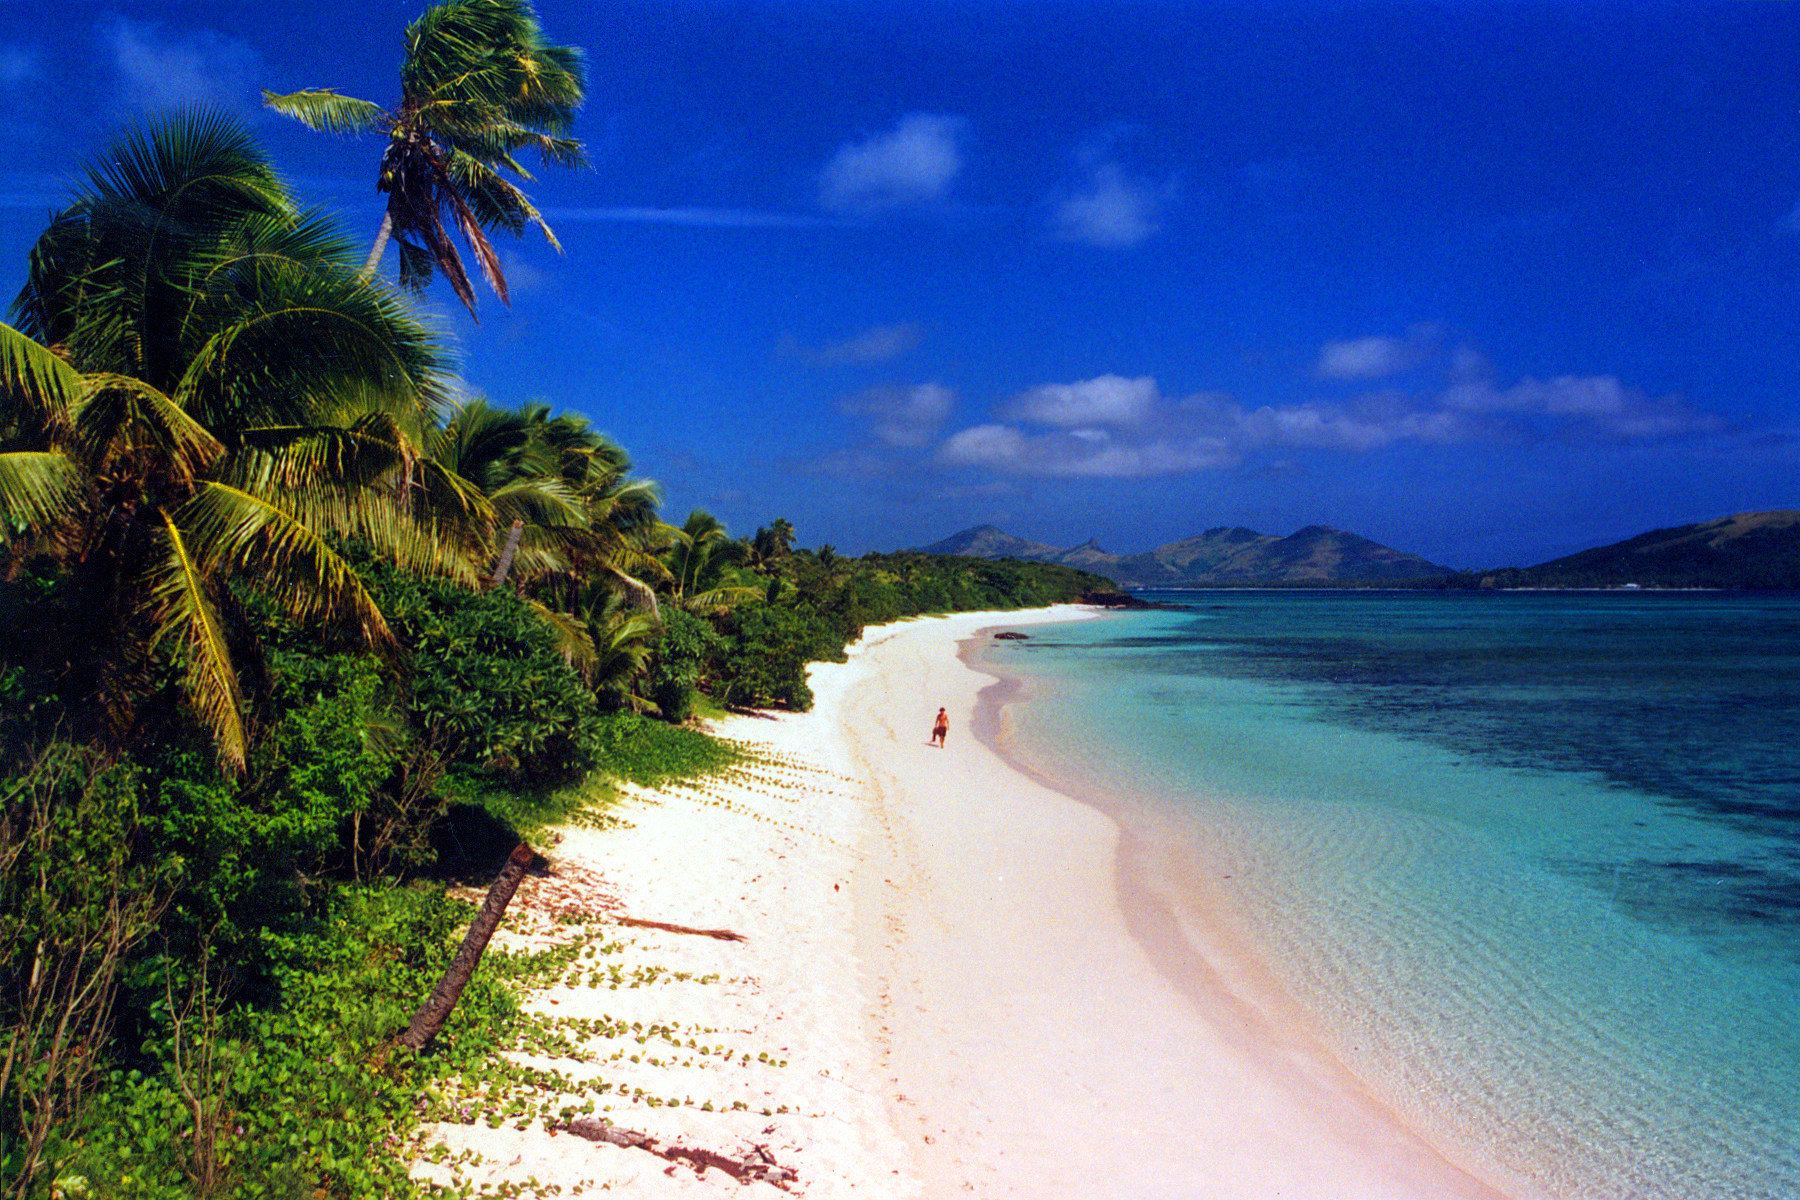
(1526, 864)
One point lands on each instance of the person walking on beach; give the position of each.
(941, 729)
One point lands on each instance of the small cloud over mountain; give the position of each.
(912, 164)
(902, 416)
(1110, 208)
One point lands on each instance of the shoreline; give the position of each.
(1239, 1002)
(952, 981)
(1024, 998)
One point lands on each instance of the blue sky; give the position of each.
(1490, 282)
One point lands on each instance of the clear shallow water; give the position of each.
(1528, 863)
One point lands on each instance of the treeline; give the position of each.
(286, 640)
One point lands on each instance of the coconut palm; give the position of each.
(699, 563)
(477, 86)
(562, 494)
(623, 640)
(201, 394)
(772, 543)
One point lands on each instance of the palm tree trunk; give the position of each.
(506, 552)
(381, 242)
(437, 1007)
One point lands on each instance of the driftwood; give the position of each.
(756, 1166)
(724, 935)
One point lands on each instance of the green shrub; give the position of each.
(686, 655)
(766, 660)
(304, 1097)
(491, 695)
(651, 753)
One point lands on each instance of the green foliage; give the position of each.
(765, 662)
(685, 656)
(304, 1097)
(816, 604)
(74, 901)
(651, 753)
(490, 691)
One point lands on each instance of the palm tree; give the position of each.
(623, 640)
(201, 394)
(477, 86)
(562, 493)
(772, 543)
(698, 563)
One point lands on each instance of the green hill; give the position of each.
(1748, 550)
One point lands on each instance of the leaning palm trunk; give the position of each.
(437, 1007)
(507, 552)
(382, 236)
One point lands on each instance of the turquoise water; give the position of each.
(1528, 864)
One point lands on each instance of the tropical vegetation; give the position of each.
(288, 640)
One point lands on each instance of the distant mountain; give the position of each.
(1748, 550)
(1218, 556)
(985, 541)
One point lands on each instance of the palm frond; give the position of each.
(327, 111)
(308, 337)
(120, 419)
(38, 388)
(485, 254)
(37, 489)
(182, 609)
(574, 641)
(640, 594)
(238, 535)
(719, 600)
(623, 640)
(294, 457)
(543, 500)
(193, 167)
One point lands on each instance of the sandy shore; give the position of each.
(940, 991)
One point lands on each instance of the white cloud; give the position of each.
(1111, 208)
(878, 343)
(1333, 427)
(1363, 358)
(1597, 402)
(984, 445)
(1093, 453)
(1117, 427)
(1107, 400)
(903, 416)
(162, 70)
(914, 164)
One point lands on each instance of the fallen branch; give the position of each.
(757, 1166)
(724, 935)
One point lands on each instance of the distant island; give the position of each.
(1222, 556)
(1757, 550)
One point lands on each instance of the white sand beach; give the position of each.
(939, 991)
